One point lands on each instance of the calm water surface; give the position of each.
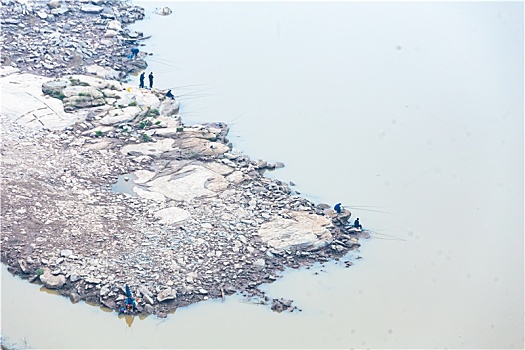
(414, 109)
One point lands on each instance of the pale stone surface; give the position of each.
(105, 73)
(121, 115)
(219, 168)
(172, 215)
(150, 148)
(235, 177)
(143, 176)
(181, 186)
(24, 101)
(167, 294)
(52, 282)
(308, 231)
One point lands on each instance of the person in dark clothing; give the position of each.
(357, 224)
(150, 76)
(170, 95)
(141, 79)
(135, 52)
(337, 208)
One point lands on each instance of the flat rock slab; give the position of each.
(306, 231)
(24, 101)
(192, 181)
(172, 215)
(149, 148)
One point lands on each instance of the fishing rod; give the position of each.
(375, 211)
(234, 119)
(164, 63)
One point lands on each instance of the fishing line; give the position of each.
(185, 86)
(383, 234)
(192, 92)
(166, 64)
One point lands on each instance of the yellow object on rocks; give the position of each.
(129, 89)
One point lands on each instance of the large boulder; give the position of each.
(167, 294)
(303, 230)
(55, 87)
(172, 215)
(123, 115)
(54, 4)
(91, 9)
(163, 11)
(75, 102)
(104, 73)
(169, 107)
(52, 282)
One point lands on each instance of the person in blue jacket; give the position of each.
(135, 52)
(338, 208)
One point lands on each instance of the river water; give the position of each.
(411, 111)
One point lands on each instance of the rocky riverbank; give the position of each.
(55, 38)
(201, 222)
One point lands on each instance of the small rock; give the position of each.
(52, 282)
(93, 280)
(260, 263)
(166, 294)
(149, 309)
(23, 265)
(74, 277)
(104, 290)
(148, 299)
(54, 4)
(74, 297)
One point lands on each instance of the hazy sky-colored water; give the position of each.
(413, 108)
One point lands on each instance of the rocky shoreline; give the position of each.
(201, 222)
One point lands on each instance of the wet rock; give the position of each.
(109, 303)
(74, 297)
(52, 282)
(23, 265)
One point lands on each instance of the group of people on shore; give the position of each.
(142, 77)
(134, 55)
(339, 209)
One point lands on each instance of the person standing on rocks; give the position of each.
(141, 79)
(135, 52)
(150, 80)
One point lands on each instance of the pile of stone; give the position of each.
(64, 37)
(202, 221)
